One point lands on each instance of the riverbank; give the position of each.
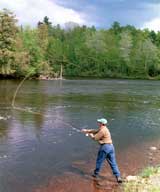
(80, 173)
(147, 181)
(46, 77)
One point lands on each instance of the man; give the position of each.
(106, 150)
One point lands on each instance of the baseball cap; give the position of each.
(102, 120)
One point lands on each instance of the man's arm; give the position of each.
(98, 136)
(93, 131)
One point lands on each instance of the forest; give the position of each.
(53, 51)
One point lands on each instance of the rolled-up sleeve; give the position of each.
(93, 131)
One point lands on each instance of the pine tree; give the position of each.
(8, 31)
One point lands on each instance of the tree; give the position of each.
(125, 50)
(46, 21)
(116, 28)
(152, 36)
(147, 56)
(8, 31)
(42, 37)
(56, 56)
(150, 56)
(31, 44)
(42, 40)
(158, 39)
(22, 57)
(77, 50)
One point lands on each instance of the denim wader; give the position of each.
(106, 151)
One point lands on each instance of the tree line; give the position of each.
(77, 51)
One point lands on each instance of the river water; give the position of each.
(40, 141)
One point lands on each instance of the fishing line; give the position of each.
(73, 127)
(34, 112)
(16, 92)
(17, 89)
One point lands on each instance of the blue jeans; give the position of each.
(106, 151)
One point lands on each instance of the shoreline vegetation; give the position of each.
(147, 181)
(47, 77)
(50, 51)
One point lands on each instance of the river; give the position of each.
(41, 146)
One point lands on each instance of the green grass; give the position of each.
(148, 172)
(147, 181)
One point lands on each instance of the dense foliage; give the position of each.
(121, 51)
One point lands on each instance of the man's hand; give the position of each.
(84, 131)
(87, 132)
(91, 135)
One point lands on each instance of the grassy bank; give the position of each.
(147, 181)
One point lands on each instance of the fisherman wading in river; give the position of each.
(106, 150)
